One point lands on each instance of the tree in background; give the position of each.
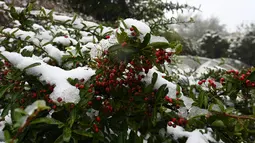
(150, 11)
(199, 27)
(242, 46)
(187, 45)
(212, 45)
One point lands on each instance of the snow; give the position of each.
(54, 52)
(2, 48)
(53, 75)
(158, 39)
(65, 41)
(171, 86)
(28, 48)
(142, 27)
(193, 137)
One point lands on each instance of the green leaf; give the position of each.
(72, 118)
(27, 38)
(74, 18)
(161, 92)
(83, 133)
(218, 123)
(7, 136)
(4, 89)
(31, 66)
(251, 77)
(119, 53)
(47, 121)
(146, 40)
(178, 88)
(6, 110)
(253, 109)
(229, 86)
(124, 24)
(122, 137)
(29, 7)
(67, 133)
(221, 105)
(238, 127)
(59, 139)
(178, 48)
(14, 13)
(154, 78)
(229, 110)
(159, 45)
(205, 101)
(122, 37)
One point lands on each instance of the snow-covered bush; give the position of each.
(213, 45)
(242, 47)
(64, 79)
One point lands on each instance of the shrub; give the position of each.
(64, 79)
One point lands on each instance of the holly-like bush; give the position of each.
(64, 79)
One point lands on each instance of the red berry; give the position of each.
(89, 90)
(177, 92)
(174, 120)
(90, 103)
(131, 29)
(107, 36)
(77, 85)
(96, 130)
(34, 95)
(222, 80)
(107, 89)
(98, 119)
(200, 82)
(170, 100)
(59, 99)
(54, 107)
(66, 36)
(124, 44)
(133, 34)
(81, 86)
(169, 123)
(166, 97)
(98, 98)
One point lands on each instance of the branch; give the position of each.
(236, 116)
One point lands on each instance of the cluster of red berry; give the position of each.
(175, 103)
(174, 121)
(163, 56)
(242, 77)
(210, 81)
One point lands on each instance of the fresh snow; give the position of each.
(53, 75)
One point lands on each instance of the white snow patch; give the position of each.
(53, 75)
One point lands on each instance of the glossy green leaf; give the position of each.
(218, 123)
(31, 66)
(146, 40)
(159, 45)
(67, 133)
(238, 127)
(154, 78)
(221, 105)
(83, 133)
(178, 48)
(47, 121)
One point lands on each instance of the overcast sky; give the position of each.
(230, 12)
